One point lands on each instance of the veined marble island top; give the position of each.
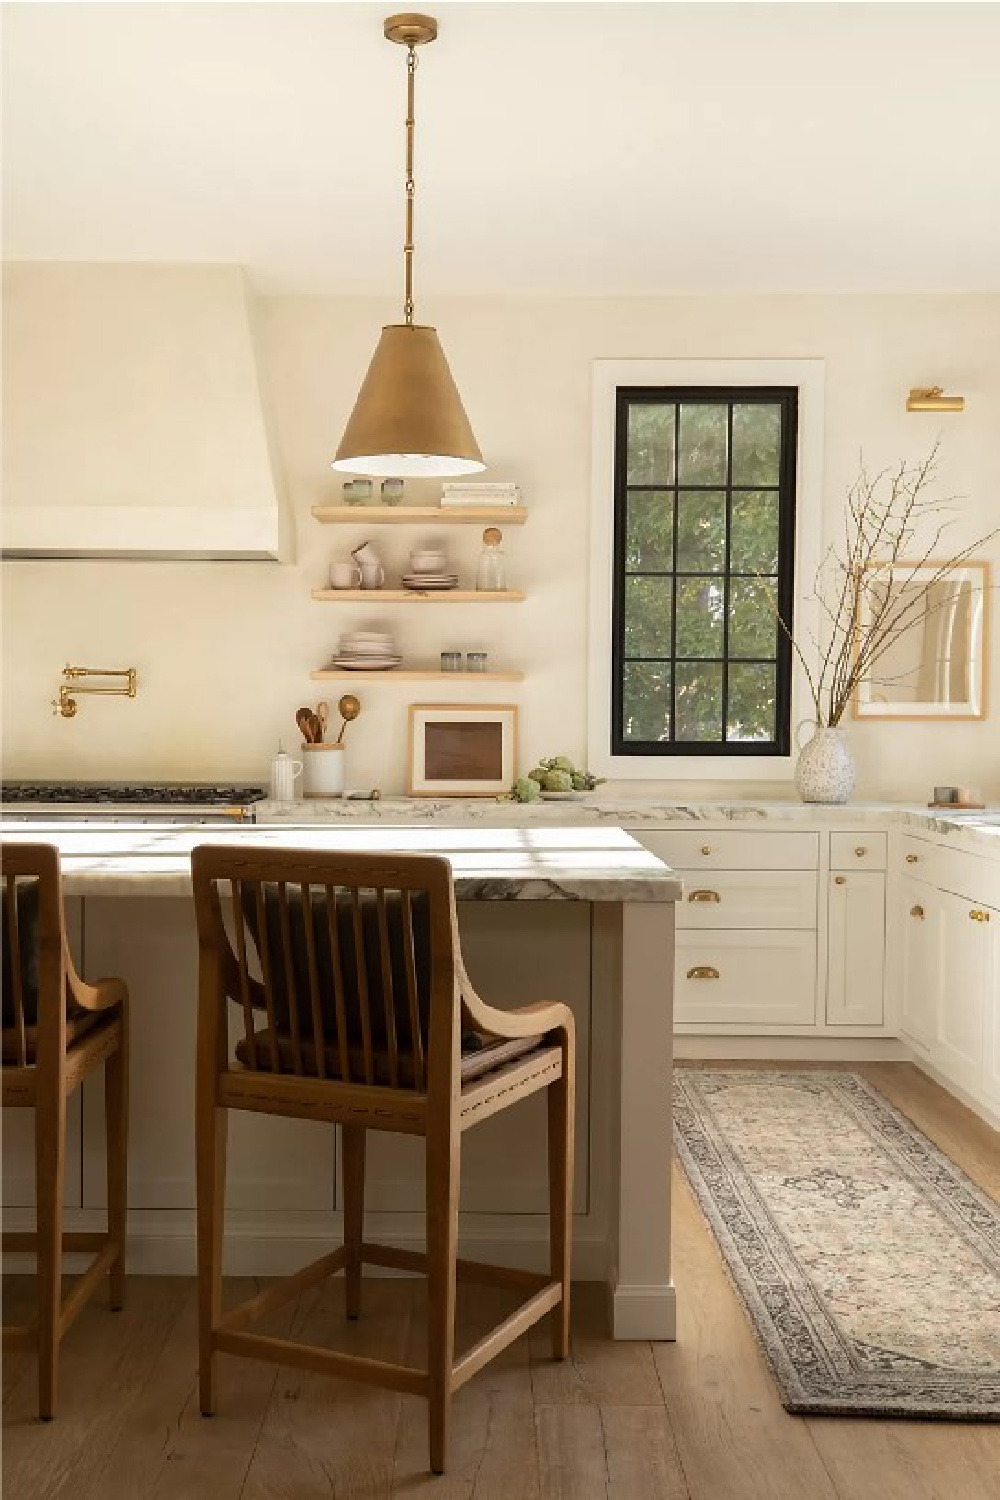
(608, 808)
(566, 863)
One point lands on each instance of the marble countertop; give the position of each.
(972, 830)
(568, 863)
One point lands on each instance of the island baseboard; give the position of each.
(162, 1243)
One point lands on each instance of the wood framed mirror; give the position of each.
(935, 667)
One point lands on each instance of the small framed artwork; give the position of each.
(935, 662)
(459, 751)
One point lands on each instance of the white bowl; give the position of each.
(429, 562)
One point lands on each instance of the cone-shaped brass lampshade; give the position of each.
(408, 420)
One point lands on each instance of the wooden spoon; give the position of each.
(312, 731)
(323, 715)
(349, 707)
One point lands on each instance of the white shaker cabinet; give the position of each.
(274, 1164)
(19, 1124)
(855, 948)
(515, 952)
(964, 993)
(922, 951)
(949, 974)
(990, 933)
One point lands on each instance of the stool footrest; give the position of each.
(290, 1286)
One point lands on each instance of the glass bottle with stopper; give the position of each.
(491, 575)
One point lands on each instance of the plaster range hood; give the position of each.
(135, 424)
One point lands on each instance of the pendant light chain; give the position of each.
(411, 75)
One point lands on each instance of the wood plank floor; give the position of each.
(695, 1420)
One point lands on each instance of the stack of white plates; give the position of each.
(430, 580)
(367, 651)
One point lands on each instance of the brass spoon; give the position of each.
(349, 707)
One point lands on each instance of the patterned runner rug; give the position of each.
(869, 1264)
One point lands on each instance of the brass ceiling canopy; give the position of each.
(410, 29)
(408, 420)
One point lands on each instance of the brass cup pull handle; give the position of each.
(975, 915)
(704, 896)
(703, 971)
(916, 911)
(911, 859)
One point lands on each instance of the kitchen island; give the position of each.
(579, 913)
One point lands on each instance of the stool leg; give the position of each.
(50, 1162)
(212, 1130)
(443, 1172)
(116, 1131)
(352, 1140)
(561, 1110)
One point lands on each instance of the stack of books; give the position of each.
(489, 492)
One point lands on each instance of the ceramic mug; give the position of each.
(365, 553)
(323, 770)
(345, 575)
(372, 575)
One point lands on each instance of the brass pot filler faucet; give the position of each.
(65, 702)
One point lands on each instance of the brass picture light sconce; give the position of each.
(932, 398)
(65, 701)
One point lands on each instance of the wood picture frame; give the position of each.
(461, 749)
(939, 666)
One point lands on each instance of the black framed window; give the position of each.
(704, 548)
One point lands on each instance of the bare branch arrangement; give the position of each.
(878, 581)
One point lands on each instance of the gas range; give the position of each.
(131, 801)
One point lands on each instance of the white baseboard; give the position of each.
(794, 1048)
(643, 1312)
(164, 1244)
(984, 1111)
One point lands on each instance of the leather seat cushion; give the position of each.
(79, 1025)
(480, 1055)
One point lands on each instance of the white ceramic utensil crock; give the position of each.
(323, 775)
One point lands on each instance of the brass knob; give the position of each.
(916, 911)
(706, 848)
(703, 971)
(840, 880)
(861, 851)
(704, 896)
(911, 859)
(978, 916)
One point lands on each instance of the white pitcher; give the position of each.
(284, 770)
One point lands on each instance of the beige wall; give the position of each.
(224, 649)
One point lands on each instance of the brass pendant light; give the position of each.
(408, 420)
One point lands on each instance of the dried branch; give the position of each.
(869, 591)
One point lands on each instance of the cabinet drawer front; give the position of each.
(857, 851)
(755, 898)
(973, 876)
(754, 978)
(731, 849)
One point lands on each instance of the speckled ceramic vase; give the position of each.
(825, 768)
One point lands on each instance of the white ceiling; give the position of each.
(568, 148)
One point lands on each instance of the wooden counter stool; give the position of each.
(357, 1009)
(56, 1030)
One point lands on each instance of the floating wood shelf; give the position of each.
(340, 674)
(422, 515)
(412, 596)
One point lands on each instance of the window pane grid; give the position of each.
(720, 464)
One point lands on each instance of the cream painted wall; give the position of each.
(224, 649)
